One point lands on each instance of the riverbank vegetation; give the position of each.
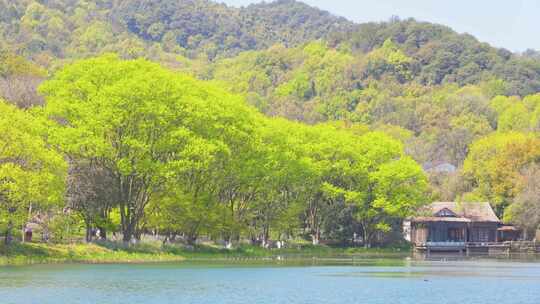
(42, 253)
(106, 252)
(167, 154)
(124, 124)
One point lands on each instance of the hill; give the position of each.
(367, 106)
(218, 30)
(46, 31)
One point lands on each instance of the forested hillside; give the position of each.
(217, 30)
(58, 29)
(367, 106)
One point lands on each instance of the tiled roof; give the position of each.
(470, 211)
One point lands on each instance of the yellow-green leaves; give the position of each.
(517, 114)
(30, 171)
(203, 152)
(400, 187)
(389, 59)
(514, 118)
(146, 124)
(495, 162)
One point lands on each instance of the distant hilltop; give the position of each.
(62, 29)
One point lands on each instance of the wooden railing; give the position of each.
(507, 246)
(463, 244)
(486, 244)
(445, 244)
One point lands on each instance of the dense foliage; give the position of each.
(50, 30)
(31, 173)
(178, 156)
(271, 121)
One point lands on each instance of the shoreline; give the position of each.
(110, 253)
(95, 253)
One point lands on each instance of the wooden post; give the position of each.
(23, 230)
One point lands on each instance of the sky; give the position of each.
(511, 24)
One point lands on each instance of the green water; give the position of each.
(307, 281)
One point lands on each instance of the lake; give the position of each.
(332, 281)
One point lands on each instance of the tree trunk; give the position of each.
(313, 219)
(265, 236)
(191, 239)
(253, 240)
(138, 235)
(127, 233)
(88, 237)
(7, 240)
(102, 233)
(316, 236)
(367, 238)
(23, 230)
(166, 239)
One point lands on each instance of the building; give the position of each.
(509, 233)
(439, 167)
(453, 226)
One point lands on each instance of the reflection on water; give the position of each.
(335, 280)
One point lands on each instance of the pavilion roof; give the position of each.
(464, 212)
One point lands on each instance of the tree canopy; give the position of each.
(31, 172)
(267, 121)
(175, 148)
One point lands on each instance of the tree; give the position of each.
(91, 193)
(283, 180)
(372, 174)
(31, 172)
(175, 211)
(525, 210)
(514, 118)
(395, 185)
(328, 154)
(388, 59)
(143, 123)
(494, 164)
(19, 79)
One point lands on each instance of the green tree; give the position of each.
(143, 123)
(514, 118)
(91, 194)
(525, 210)
(31, 173)
(494, 164)
(388, 59)
(371, 173)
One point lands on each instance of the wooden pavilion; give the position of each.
(453, 226)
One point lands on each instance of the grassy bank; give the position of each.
(108, 252)
(32, 253)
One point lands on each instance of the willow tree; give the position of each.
(31, 173)
(145, 124)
